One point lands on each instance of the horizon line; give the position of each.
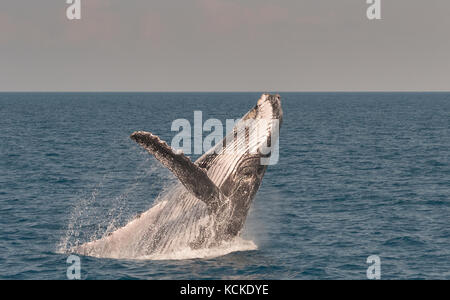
(312, 91)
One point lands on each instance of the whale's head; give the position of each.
(238, 167)
(261, 126)
(267, 108)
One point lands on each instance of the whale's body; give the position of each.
(210, 204)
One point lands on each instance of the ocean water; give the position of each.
(359, 174)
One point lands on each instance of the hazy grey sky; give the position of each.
(224, 45)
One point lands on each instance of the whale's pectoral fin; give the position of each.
(191, 176)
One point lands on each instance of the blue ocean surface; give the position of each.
(359, 174)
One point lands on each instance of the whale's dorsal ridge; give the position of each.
(193, 177)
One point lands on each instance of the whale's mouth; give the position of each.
(269, 107)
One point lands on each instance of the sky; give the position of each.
(225, 45)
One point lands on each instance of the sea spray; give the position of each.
(94, 217)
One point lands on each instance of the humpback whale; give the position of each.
(210, 203)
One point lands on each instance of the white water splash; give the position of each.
(88, 221)
(237, 245)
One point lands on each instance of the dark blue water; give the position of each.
(359, 174)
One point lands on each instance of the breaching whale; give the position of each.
(210, 203)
